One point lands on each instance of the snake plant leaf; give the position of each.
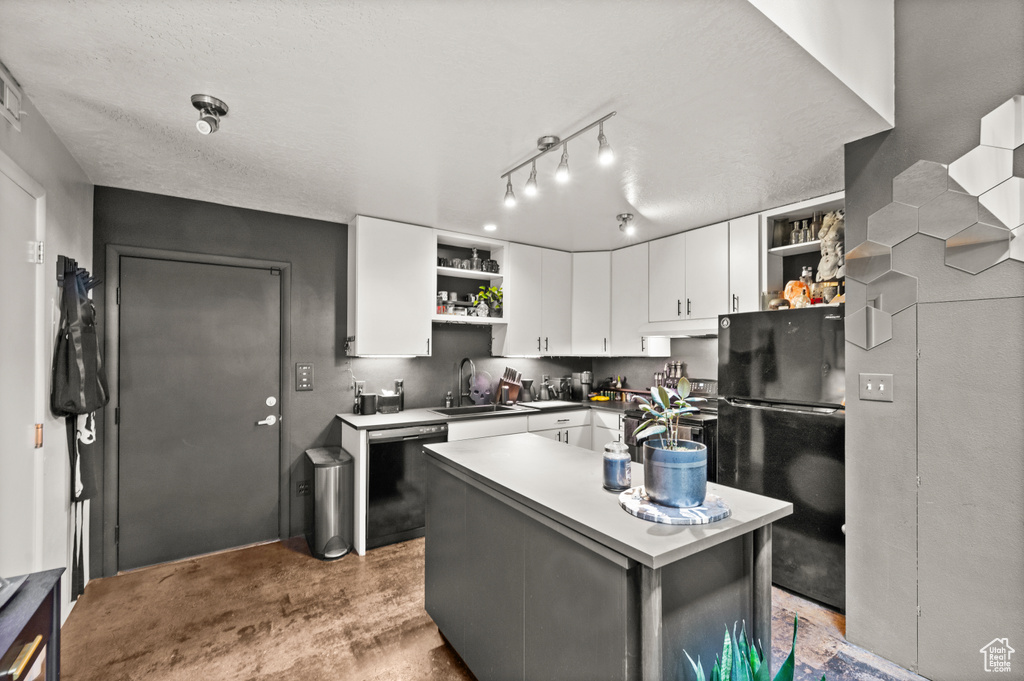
(697, 668)
(740, 664)
(727, 657)
(789, 666)
(716, 671)
(683, 387)
(755, 661)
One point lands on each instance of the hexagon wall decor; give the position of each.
(947, 214)
(978, 247)
(892, 223)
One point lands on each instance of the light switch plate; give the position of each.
(303, 376)
(876, 387)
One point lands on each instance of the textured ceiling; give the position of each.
(412, 110)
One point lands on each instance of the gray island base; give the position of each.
(533, 571)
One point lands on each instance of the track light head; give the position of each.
(210, 111)
(605, 155)
(510, 196)
(531, 183)
(626, 225)
(562, 174)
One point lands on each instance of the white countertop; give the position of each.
(564, 483)
(416, 417)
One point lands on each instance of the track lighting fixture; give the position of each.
(531, 183)
(510, 196)
(562, 174)
(210, 111)
(626, 225)
(547, 143)
(605, 155)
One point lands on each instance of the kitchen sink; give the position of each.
(476, 410)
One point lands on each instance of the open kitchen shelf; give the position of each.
(480, 275)
(797, 249)
(458, 319)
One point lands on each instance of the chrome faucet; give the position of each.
(461, 384)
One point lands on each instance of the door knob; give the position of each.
(269, 421)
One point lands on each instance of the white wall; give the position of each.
(68, 201)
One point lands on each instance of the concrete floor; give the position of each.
(272, 611)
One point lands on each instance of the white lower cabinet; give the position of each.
(570, 427)
(468, 429)
(606, 427)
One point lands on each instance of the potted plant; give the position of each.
(742, 661)
(675, 470)
(491, 296)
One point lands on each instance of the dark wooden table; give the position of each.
(33, 613)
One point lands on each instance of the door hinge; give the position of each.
(118, 295)
(117, 416)
(39, 435)
(117, 534)
(919, 611)
(275, 271)
(919, 481)
(35, 252)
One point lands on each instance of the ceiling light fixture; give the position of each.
(546, 144)
(626, 223)
(562, 174)
(490, 227)
(210, 111)
(531, 183)
(605, 155)
(510, 196)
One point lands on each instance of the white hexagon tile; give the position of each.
(947, 214)
(892, 223)
(975, 204)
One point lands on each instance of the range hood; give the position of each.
(683, 328)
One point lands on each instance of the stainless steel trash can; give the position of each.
(330, 534)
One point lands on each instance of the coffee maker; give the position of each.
(586, 384)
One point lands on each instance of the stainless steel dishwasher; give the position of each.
(395, 493)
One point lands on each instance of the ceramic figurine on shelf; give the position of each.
(831, 236)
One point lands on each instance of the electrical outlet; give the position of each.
(303, 488)
(876, 387)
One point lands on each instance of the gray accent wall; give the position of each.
(945, 544)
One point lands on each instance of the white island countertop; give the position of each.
(564, 483)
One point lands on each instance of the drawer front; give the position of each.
(559, 419)
(486, 427)
(607, 419)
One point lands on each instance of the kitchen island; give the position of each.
(534, 572)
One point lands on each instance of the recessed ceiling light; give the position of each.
(490, 227)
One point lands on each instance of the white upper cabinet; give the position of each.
(591, 304)
(391, 277)
(556, 303)
(667, 278)
(522, 300)
(745, 264)
(630, 295)
(707, 272)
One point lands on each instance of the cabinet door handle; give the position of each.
(606, 345)
(642, 348)
(545, 343)
(562, 421)
(679, 307)
(687, 307)
(538, 343)
(567, 437)
(735, 303)
(559, 436)
(428, 346)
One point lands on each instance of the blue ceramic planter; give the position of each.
(676, 477)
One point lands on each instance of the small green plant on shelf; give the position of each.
(491, 295)
(742, 661)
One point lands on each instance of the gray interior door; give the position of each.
(200, 349)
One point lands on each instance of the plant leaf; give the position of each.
(666, 399)
(683, 387)
(697, 668)
(649, 428)
(716, 671)
(727, 657)
(656, 398)
(740, 664)
(788, 667)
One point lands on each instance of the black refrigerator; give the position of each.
(781, 428)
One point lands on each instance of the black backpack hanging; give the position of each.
(79, 383)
